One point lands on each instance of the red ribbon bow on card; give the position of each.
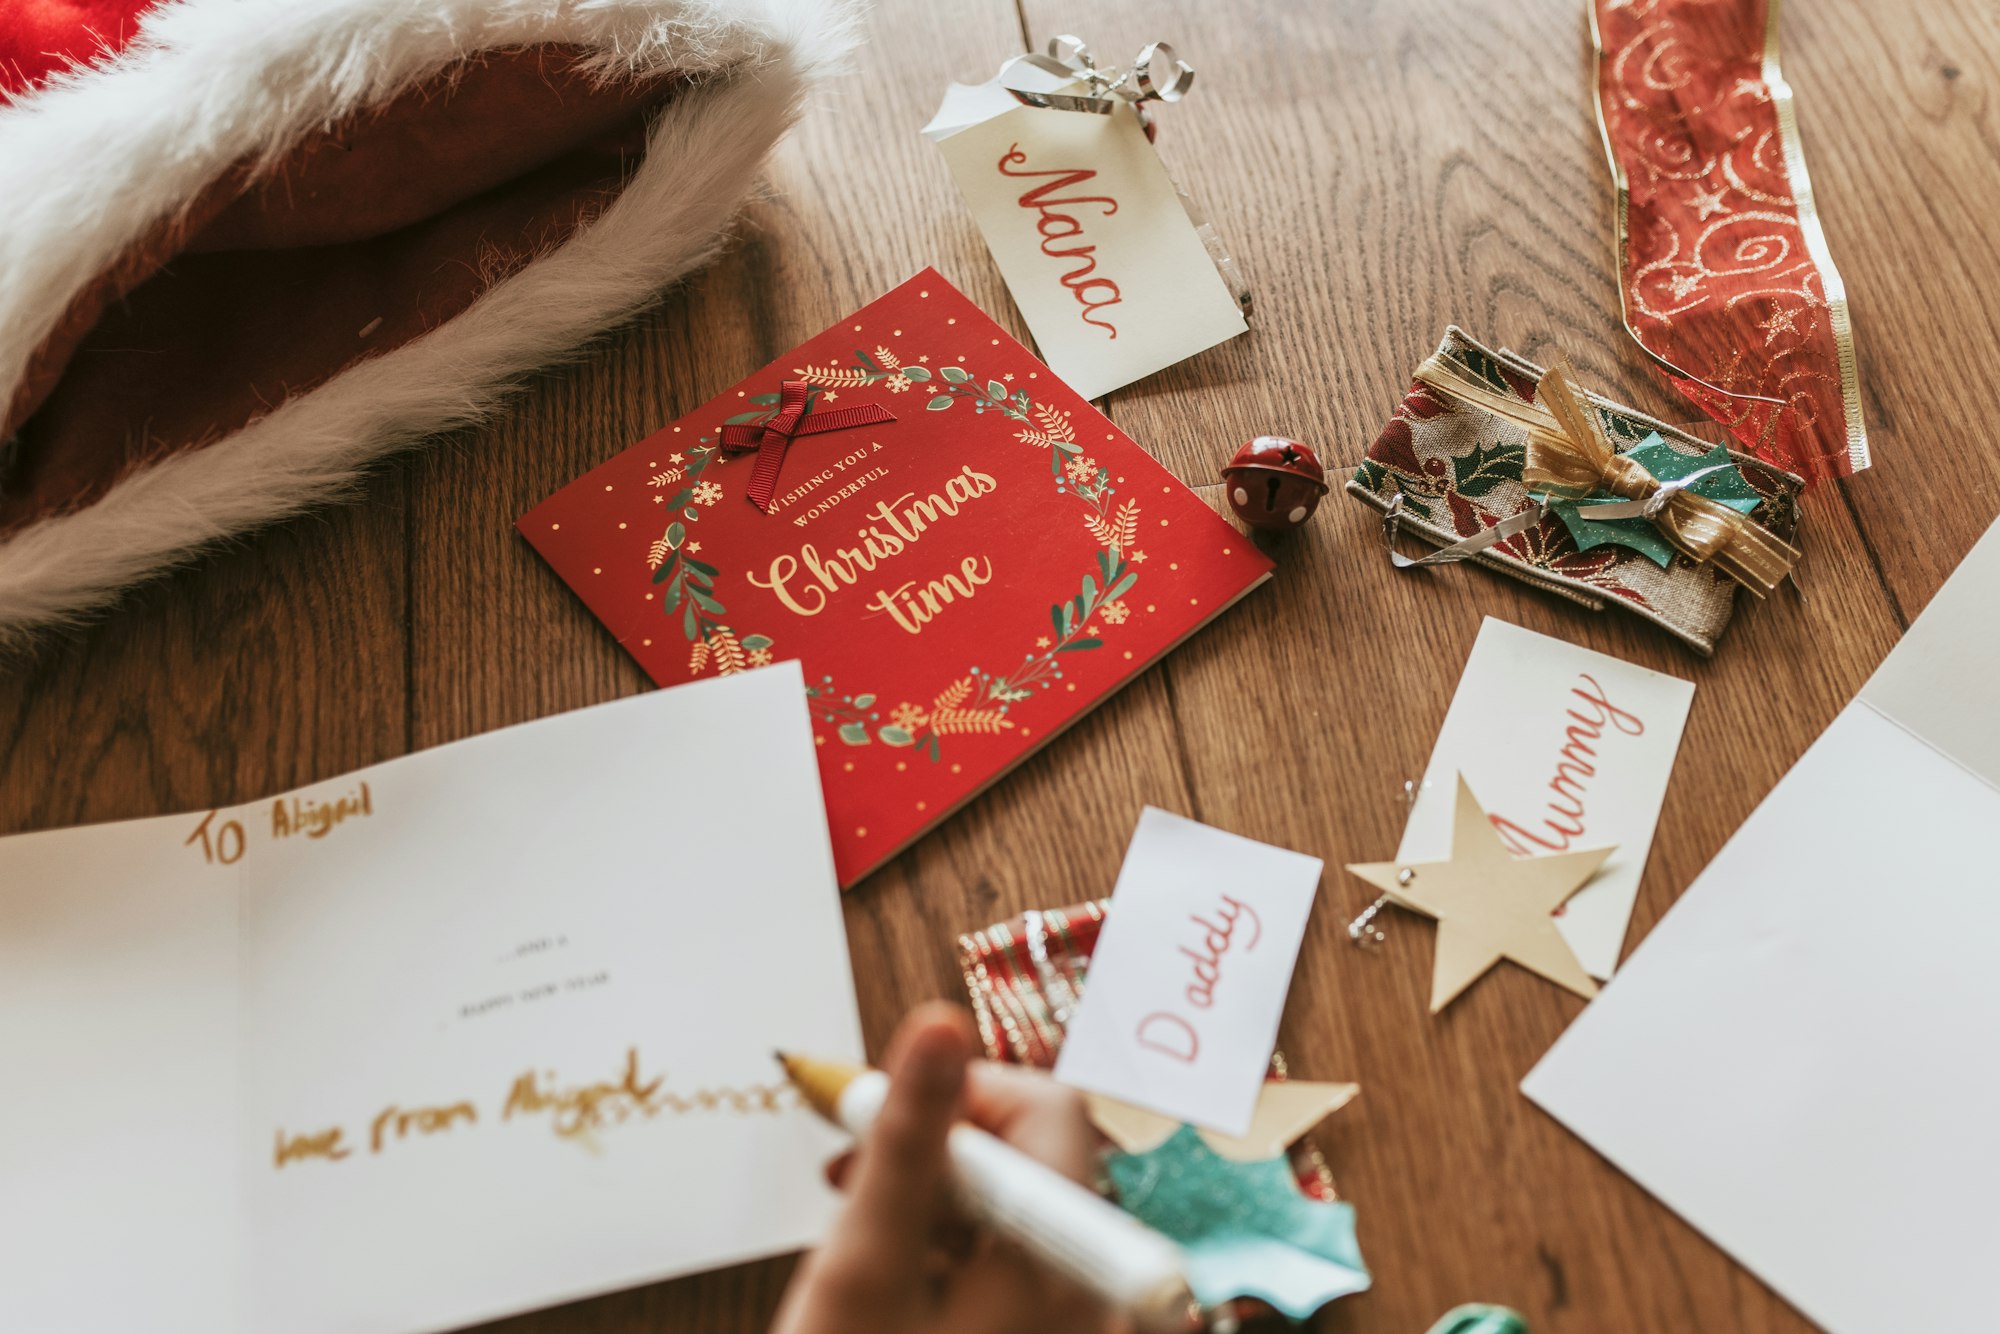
(795, 417)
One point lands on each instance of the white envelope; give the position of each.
(301, 1064)
(1096, 245)
(1798, 1059)
(1567, 749)
(1188, 981)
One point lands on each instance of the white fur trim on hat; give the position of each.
(209, 83)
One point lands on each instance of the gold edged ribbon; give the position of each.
(1569, 456)
(1811, 233)
(1155, 75)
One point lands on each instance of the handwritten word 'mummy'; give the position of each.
(1575, 767)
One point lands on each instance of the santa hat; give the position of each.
(253, 245)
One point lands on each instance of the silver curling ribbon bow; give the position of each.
(1156, 75)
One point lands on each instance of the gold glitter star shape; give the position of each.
(659, 500)
(1783, 321)
(1708, 203)
(673, 458)
(922, 360)
(930, 389)
(1489, 904)
(1043, 642)
(1138, 558)
(829, 396)
(693, 547)
(1286, 1109)
(1682, 284)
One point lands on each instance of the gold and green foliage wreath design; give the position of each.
(977, 703)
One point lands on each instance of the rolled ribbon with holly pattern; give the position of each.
(1568, 455)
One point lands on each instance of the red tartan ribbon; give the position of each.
(795, 417)
(1025, 976)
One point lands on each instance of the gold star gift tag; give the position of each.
(1489, 904)
(1286, 1109)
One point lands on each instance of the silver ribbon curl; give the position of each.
(1155, 75)
(1652, 505)
(1392, 523)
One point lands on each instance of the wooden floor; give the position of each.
(1381, 168)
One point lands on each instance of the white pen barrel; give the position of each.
(1072, 1229)
(1077, 1232)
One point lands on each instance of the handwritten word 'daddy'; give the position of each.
(1576, 765)
(1093, 293)
(1174, 1035)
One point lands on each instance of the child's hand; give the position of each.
(898, 1259)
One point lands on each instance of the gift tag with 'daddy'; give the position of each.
(1180, 1009)
(1111, 271)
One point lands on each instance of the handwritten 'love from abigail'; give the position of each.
(1181, 1006)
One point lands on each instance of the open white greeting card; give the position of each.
(1099, 252)
(1798, 1058)
(1190, 973)
(1567, 749)
(480, 1029)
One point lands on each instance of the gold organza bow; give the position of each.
(1570, 456)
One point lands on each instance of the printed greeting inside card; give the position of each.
(1181, 1006)
(1093, 241)
(1567, 749)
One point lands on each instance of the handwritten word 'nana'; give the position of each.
(1175, 1035)
(1053, 224)
(1575, 767)
(575, 1112)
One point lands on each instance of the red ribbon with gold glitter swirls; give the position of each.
(1725, 277)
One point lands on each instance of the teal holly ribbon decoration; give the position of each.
(1480, 1318)
(1721, 481)
(1246, 1229)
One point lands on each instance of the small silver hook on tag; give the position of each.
(1362, 931)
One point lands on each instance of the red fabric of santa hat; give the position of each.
(249, 246)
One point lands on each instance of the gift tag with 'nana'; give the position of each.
(1088, 230)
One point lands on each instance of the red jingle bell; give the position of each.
(1274, 483)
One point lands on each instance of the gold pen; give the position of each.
(1077, 1232)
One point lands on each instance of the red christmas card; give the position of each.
(965, 555)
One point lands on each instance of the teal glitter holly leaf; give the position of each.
(1246, 1229)
(1726, 485)
(1480, 1318)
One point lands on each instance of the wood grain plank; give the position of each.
(1900, 112)
(272, 663)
